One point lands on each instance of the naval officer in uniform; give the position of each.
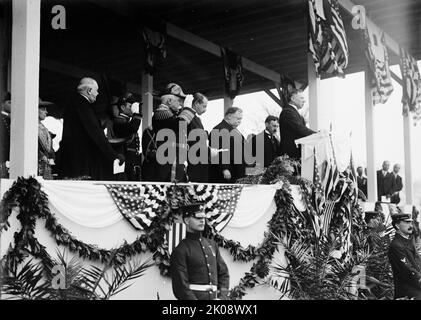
(404, 259)
(198, 270)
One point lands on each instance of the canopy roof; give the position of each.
(104, 38)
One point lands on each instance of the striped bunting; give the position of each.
(327, 39)
(175, 235)
(411, 81)
(378, 59)
(221, 202)
(139, 204)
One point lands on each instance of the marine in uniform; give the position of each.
(404, 259)
(198, 270)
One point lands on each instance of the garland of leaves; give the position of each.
(33, 204)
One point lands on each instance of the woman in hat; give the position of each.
(45, 143)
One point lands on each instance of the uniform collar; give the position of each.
(193, 235)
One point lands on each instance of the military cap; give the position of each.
(398, 217)
(192, 209)
(127, 97)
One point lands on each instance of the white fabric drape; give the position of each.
(253, 204)
(90, 205)
(84, 203)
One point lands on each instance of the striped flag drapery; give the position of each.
(140, 204)
(378, 60)
(411, 85)
(220, 202)
(175, 235)
(327, 39)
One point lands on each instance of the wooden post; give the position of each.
(4, 48)
(407, 136)
(313, 95)
(147, 98)
(227, 103)
(370, 145)
(25, 83)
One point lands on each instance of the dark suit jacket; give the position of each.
(397, 186)
(384, 184)
(237, 170)
(362, 184)
(198, 172)
(84, 149)
(406, 267)
(271, 147)
(292, 126)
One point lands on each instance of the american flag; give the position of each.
(220, 202)
(139, 204)
(378, 59)
(319, 194)
(327, 38)
(411, 80)
(175, 235)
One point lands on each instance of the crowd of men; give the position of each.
(389, 184)
(175, 148)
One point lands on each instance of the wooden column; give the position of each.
(370, 142)
(313, 95)
(407, 136)
(4, 47)
(227, 103)
(25, 83)
(147, 98)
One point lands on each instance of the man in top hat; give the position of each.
(198, 270)
(404, 259)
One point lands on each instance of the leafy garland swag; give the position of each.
(26, 194)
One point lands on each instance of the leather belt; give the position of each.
(203, 287)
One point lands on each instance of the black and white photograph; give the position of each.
(229, 151)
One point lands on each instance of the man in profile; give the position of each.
(85, 152)
(198, 270)
(293, 126)
(404, 258)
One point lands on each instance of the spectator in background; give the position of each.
(85, 151)
(125, 126)
(362, 181)
(384, 182)
(5, 137)
(46, 156)
(233, 167)
(396, 184)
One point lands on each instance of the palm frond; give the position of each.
(26, 283)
